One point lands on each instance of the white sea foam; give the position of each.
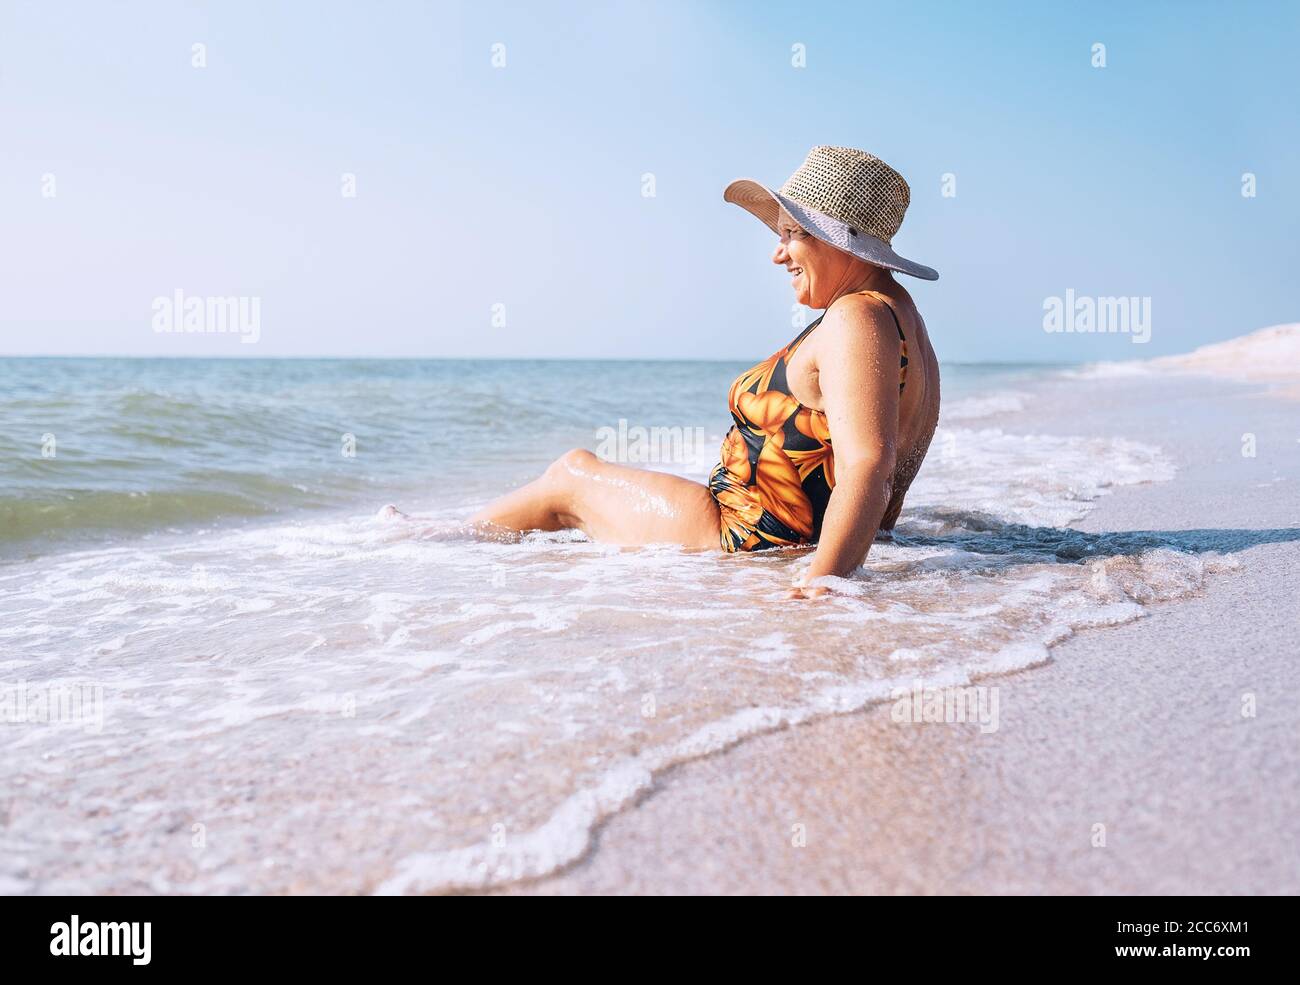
(984, 405)
(1026, 478)
(382, 705)
(1127, 369)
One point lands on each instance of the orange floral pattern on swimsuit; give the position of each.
(777, 468)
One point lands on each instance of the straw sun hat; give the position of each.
(848, 198)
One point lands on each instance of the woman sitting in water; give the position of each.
(862, 376)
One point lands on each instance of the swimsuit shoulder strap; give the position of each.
(902, 339)
(789, 350)
(889, 303)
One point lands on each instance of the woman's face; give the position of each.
(818, 270)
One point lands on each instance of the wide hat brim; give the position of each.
(766, 205)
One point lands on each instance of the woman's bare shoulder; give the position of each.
(858, 323)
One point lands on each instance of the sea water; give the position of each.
(296, 693)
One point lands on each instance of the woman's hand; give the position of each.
(800, 589)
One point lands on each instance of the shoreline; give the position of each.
(1079, 501)
(1138, 727)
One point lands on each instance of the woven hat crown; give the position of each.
(853, 186)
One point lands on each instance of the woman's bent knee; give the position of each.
(573, 462)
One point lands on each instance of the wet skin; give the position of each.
(847, 368)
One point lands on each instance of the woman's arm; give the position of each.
(857, 363)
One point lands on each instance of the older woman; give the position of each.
(829, 431)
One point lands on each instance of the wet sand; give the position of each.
(1137, 728)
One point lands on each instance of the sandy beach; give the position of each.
(333, 701)
(1145, 728)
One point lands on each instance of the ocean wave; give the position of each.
(121, 447)
(984, 405)
(464, 713)
(1109, 591)
(1050, 480)
(75, 515)
(1120, 370)
(357, 703)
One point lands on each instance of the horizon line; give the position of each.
(503, 359)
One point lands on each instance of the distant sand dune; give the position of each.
(1271, 354)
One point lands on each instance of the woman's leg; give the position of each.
(611, 503)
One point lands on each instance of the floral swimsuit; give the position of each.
(778, 469)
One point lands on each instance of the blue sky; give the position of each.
(522, 186)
